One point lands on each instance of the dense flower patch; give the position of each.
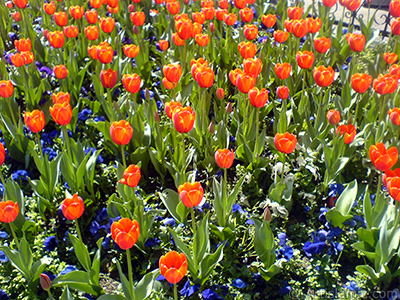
(197, 149)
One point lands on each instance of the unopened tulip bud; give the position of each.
(186, 1)
(156, 117)
(46, 34)
(45, 282)
(229, 108)
(212, 27)
(131, 8)
(220, 93)
(211, 127)
(267, 215)
(135, 29)
(9, 4)
(369, 2)
(147, 94)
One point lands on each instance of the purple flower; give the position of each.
(50, 243)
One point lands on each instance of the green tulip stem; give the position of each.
(193, 220)
(128, 258)
(175, 292)
(78, 231)
(358, 100)
(12, 113)
(40, 146)
(383, 109)
(50, 295)
(378, 190)
(123, 156)
(2, 179)
(257, 132)
(14, 235)
(66, 140)
(183, 156)
(283, 167)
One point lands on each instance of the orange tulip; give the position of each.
(168, 84)
(269, 20)
(172, 72)
(295, 12)
(230, 19)
(281, 36)
(285, 142)
(356, 41)
(163, 44)
(61, 97)
(56, 39)
(224, 4)
(73, 208)
(393, 187)
(250, 31)
(395, 26)
(322, 44)
(333, 117)
(131, 82)
(258, 98)
(61, 113)
(8, 211)
(305, 59)
(361, 82)
(283, 70)
(394, 8)
(35, 120)
(71, 31)
(288, 25)
(349, 132)
(92, 32)
(76, 12)
(138, 18)
(17, 16)
(224, 158)
(131, 50)
(125, 233)
(390, 58)
(202, 39)
(61, 18)
(234, 74)
(173, 7)
(96, 3)
(2, 154)
(324, 76)
(170, 108)
(220, 14)
(394, 115)
(50, 8)
(282, 92)
(121, 132)
(198, 17)
(184, 28)
(18, 60)
(191, 194)
(329, 3)
(92, 50)
(314, 25)
(245, 82)
(132, 176)
(246, 14)
(20, 3)
(247, 49)
(105, 54)
(23, 45)
(173, 266)
(389, 175)
(239, 4)
(220, 93)
(352, 5)
(252, 66)
(6, 88)
(204, 76)
(209, 12)
(395, 70)
(385, 84)
(383, 159)
(91, 16)
(60, 71)
(183, 119)
(28, 57)
(299, 28)
(107, 24)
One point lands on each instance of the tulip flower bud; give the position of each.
(131, 8)
(135, 29)
(229, 108)
(45, 282)
(211, 127)
(9, 4)
(267, 215)
(46, 34)
(220, 93)
(156, 117)
(186, 1)
(212, 27)
(147, 94)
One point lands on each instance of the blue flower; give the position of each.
(88, 296)
(313, 248)
(282, 239)
(352, 286)
(3, 235)
(99, 119)
(361, 220)
(20, 174)
(170, 222)
(1, 189)
(68, 269)
(285, 289)
(335, 248)
(209, 294)
(152, 242)
(101, 215)
(249, 222)
(3, 257)
(160, 277)
(3, 295)
(143, 94)
(84, 114)
(239, 283)
(285, 252)
(50, 243)
(106, 243)
(189, 289)
(335, 190)
(50, 152)
(237, 208)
